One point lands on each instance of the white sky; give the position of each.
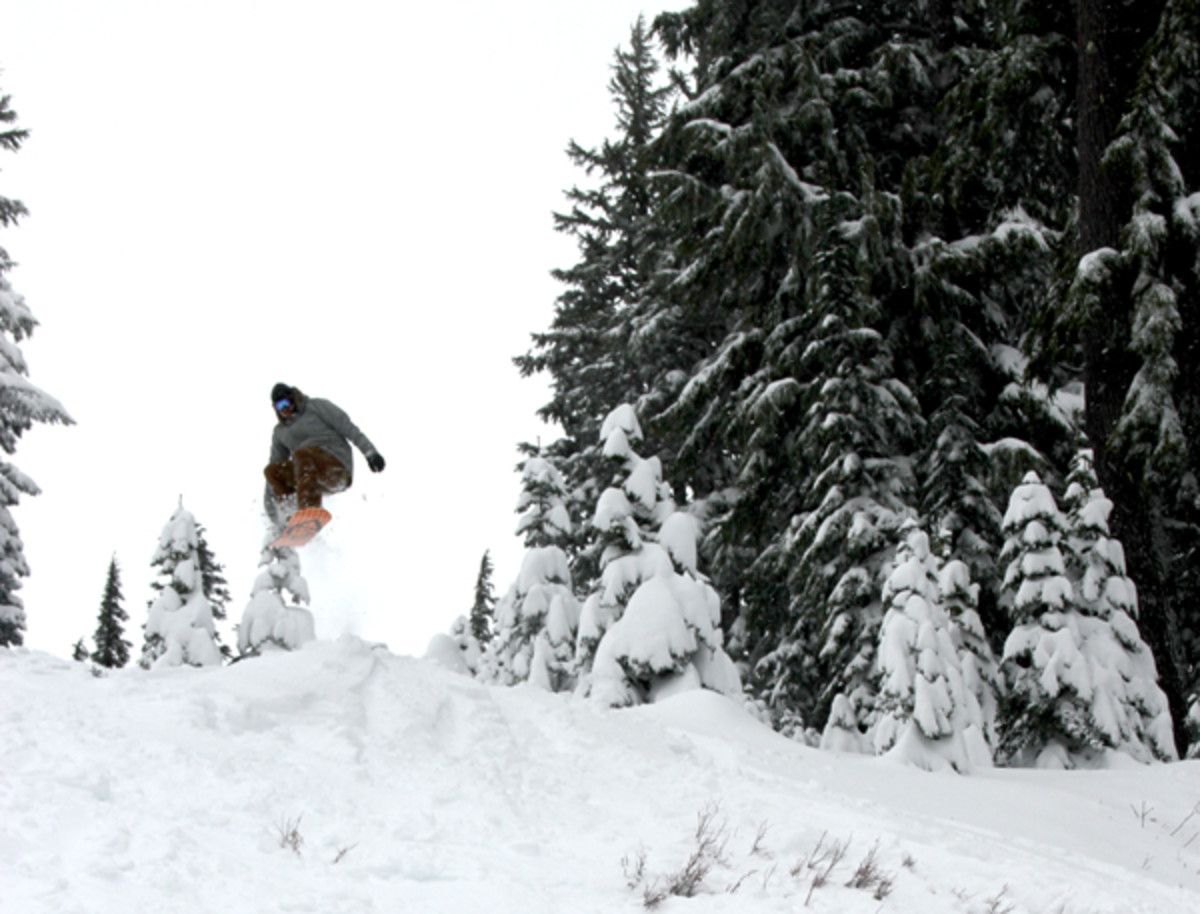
(225, 194)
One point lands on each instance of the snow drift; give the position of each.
(343, 778)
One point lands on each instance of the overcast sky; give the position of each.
(353, 198)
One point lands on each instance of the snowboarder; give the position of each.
(311, 455)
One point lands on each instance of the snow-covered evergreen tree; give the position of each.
(112, 650)
(981, 673)
(79, 653)
(634, 504)
(1044, 713)
(1128, 706)
(540, 604)
(216, 589)
(179, 625)
(591, 352)
(922, 707)
(652, 626)
(1129, 319)
(470, 653)
(270, 620)
(857, 420)
(21, 405)
(483, 610)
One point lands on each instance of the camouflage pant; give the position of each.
(309, 473)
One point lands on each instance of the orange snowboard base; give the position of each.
(302, 527)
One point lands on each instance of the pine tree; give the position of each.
(634, 504)
(1129, 707)
(541, 599)
(483, 610)
(79, 653)
(1129, 316)
(787, 177)
(179, 625)
(981, 674)
(857, 419)
(270, 620)
(922, 714)
(112, 650)
(21, 405)
(1022, 261)
(652, 625)
(213, 584)
(1045, 718)
(591, 350)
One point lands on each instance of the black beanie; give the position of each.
(281, 391)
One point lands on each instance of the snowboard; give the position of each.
(301, 527)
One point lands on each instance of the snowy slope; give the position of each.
(414, 789)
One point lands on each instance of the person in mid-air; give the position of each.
(310, 452)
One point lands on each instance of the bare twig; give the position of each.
(289, 833)
(634, 868)
(998, 905)
(757, 848)
(712, 837)
(824, 865)
(341, 854)
(1143, 813)
(1187, 818)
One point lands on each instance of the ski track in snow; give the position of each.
(415, 789)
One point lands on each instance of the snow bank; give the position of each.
(410, 787)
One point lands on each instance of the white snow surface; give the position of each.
(412, 788)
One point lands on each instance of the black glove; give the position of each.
(376, 462)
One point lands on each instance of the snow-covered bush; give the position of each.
(467, 647)
(179, 625)
(268, 620)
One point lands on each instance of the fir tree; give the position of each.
(213, 584)
(786, 178)
(1129, 707)
(652, 626)
(79, 653)
(922, 714)
(592, 350)
(483, 610)
(945, 145)
(112, 650)
(179, 626)
(1045, 718)
(980, 672)
(857, 419)
(272, 621)
(1129, 316)
(633, 505)
(541, 598)
(21, 405)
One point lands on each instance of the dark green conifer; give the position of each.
(21, 405)
(483, 609)
(112, 650)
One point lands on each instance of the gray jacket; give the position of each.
(319, 423)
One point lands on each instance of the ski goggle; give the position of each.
(281, 405)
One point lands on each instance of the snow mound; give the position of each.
(342, 778)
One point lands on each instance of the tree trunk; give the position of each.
(1111, 36)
